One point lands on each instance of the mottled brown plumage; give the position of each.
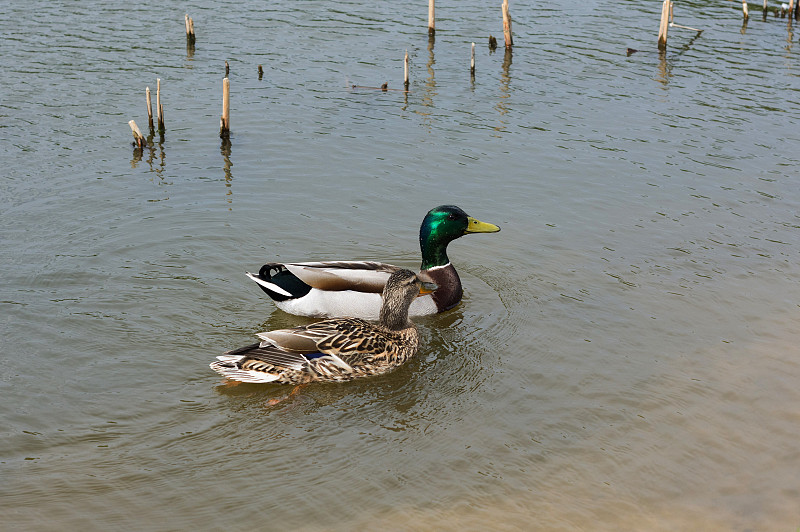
(336, 349)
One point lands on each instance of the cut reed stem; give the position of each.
(138, 139)
(507, 25)
(225, 120)
(149, 110)
(159, 108)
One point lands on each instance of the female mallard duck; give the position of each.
(336, 349)
(352, 288)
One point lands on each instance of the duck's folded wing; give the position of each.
(361, 276)
(255, 356)
(298, 340)
(299, 345)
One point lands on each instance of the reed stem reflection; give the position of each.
(225, 150)
(430, 83)
(505, 88)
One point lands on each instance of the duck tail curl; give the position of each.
(278, 282)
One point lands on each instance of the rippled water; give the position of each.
(626, 353)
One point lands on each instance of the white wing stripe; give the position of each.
(268, 286)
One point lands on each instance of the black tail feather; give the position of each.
(283, 278)
(243, 350)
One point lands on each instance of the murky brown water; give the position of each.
(626, 353)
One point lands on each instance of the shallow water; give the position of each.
(625, 355)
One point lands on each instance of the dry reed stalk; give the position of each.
(225, 119)
(159, 108)
(149, 110)
(662, 30)
(138, 138)
(507, 25)
(405, 71)
(472, 62)
(189, 28)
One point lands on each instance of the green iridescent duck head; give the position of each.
(442, 225)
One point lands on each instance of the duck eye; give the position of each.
(451, 216)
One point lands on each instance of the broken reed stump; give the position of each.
(507, 25)
(227, 69)
(189, 35)
(260, 72)
(472, 62)
(149, 111)
(159, 108)
(405, 71)
(225, 119)
(138, 139)
(492, 43)
(431, 18)
(189, 29)
(662, 30)
(744, 10)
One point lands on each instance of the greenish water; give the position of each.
(626, 353)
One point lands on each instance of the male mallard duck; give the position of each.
(336, 349)
(352, 288)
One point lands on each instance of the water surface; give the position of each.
(626, 353)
